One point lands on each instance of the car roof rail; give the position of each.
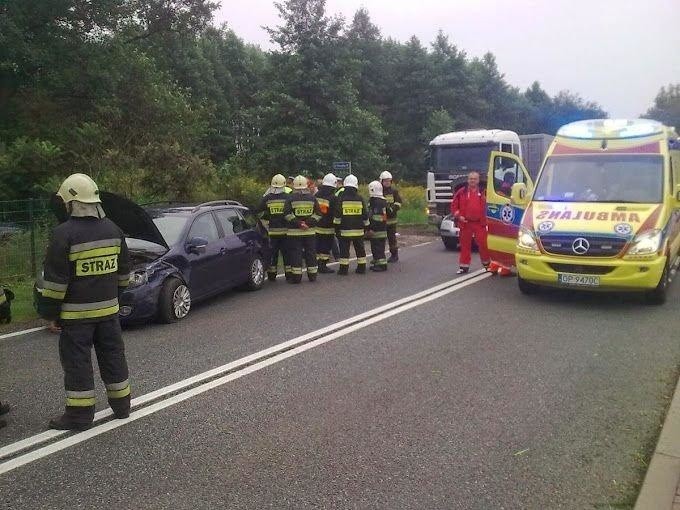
(217, 202)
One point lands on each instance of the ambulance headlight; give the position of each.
(527, 240)
(646, 243)
(139, 278)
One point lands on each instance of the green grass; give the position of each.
(412, 216)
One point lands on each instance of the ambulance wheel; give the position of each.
(450, 243)
(527, 288)
(174, 302)
(256, 274)
(658, 295)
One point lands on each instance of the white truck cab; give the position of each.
(452, 157)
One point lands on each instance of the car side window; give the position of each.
(230, 220)
(249, 219)
(204, 227)
(506, 173)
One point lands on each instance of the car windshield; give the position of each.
(170, 226)
(635, 178)
(461, 157)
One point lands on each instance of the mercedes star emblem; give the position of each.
(580, 246)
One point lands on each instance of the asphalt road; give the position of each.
(481, 398)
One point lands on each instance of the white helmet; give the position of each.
(351, 181)
(278, 181)
(375, 189)
(329, 180)
(81, 188)
(300, 182)
(385, 175)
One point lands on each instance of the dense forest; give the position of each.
(153, 100)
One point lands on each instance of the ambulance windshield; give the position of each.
(629, 178)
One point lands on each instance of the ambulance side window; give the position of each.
(506, 173)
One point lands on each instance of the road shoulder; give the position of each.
(661, 488)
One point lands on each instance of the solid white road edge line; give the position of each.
(151, 409)
(22, 332)
(49, 435)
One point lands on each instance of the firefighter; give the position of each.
(325, 232)
(4, 409)
(270, 209)
(377, 229)
(86, 266)
(469, 208)
(302, 214)
(393, 205)
(351, 219)
(6, 297)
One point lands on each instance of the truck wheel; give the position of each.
(527, 288)
(450, 243)
(659, 294)
(174, 302)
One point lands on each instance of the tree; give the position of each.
(310, 116)
(439, 122)
(666, 107)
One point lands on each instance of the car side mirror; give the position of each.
(519, 194)
(197, 245)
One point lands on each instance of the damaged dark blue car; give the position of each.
(182, 254)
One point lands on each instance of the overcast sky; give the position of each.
(615, 52)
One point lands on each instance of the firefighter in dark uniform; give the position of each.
(86, 266)
(351, 219)
(6, 297)
(393, 205)
(325, 231)
(377, 229)
(271, 209)
(302, 214)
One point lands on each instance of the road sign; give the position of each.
(342, 166)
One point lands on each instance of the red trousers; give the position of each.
(467, 230)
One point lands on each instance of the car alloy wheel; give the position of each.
(257, 272)
(181, 301)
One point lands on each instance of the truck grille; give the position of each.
(580, 269)
(586, 245)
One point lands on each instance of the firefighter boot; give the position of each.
(361, 268)
(324, 269)
(379, 268)
(343, 270)
(63, 422)
(394, 256)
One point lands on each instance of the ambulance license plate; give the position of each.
(583, 280)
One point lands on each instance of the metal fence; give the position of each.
(25, 226)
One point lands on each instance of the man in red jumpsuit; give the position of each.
(469, 208)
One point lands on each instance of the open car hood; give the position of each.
(132, 219)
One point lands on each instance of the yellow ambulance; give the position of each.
(604, 213)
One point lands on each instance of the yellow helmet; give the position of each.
(79, 188)
(278, 181)
(300, 182)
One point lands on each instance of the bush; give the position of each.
(412, 197)
(243, 188)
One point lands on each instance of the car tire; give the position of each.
(174, 302)
(527, 288)
(659, 294)
(450, 243)
(256, 274)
